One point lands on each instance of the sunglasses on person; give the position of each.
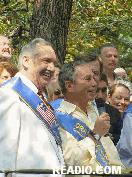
(103, 89)
(57, 92)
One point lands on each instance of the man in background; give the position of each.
(121, 72)
(80, 134)
(115, 117)
(5, 47)
(110, 57)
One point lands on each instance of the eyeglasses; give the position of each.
(103, 89)
(57, 92)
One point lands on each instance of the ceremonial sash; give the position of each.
(56, 103)
(79, 130)
(37, 105)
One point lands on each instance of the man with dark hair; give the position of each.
(5, 48)
(80, 139)
(89, 56)
(115, 117)
(101, 92)
(31, 141)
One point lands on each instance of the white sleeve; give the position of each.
(9, 128)
(124, 145)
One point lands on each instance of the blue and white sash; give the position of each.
(79, 130)
(37, 105)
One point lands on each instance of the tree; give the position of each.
(92, 23)
(15, 23)
(50, 20)
(95, 22)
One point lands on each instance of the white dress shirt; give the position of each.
(82, 153)
(25, 142)
(124, 145)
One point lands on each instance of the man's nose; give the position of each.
(93, 82)
(61, 95)
(51, 67)
(99, 94)
(122, 101)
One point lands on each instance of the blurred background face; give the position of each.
(120, 98)
(4, 76)
(102, 90)
(109, 58)
(56, 73)
(54, 91)
(122, 74)
(5, 48)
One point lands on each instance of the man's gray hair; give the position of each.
(30, 49)
(67, 73)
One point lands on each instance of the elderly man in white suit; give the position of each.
(29, 138)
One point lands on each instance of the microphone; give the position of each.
(100, 105)
(101, 108)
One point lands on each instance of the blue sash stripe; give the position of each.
(25, 94)
(79, 130)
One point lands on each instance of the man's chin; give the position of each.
(112, 68)
(91, 98)
(44, 84)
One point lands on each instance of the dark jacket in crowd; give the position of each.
(115, 120)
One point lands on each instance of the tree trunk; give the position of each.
(50, 21)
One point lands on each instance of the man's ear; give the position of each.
(69, 86)
(26, 61)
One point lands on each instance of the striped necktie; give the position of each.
(92, 115)
(41, 95)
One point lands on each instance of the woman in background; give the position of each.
(124, 145)
(119, 97)
(7, 70)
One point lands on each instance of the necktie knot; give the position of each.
(40, 93)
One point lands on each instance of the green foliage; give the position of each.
(93, 22)
(15, 23)
(96, 22)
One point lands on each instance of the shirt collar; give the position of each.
(68, 107)
(27, 82)
(92, 103)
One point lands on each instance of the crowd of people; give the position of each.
(78, 114)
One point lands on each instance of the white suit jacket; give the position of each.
(25, 142)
